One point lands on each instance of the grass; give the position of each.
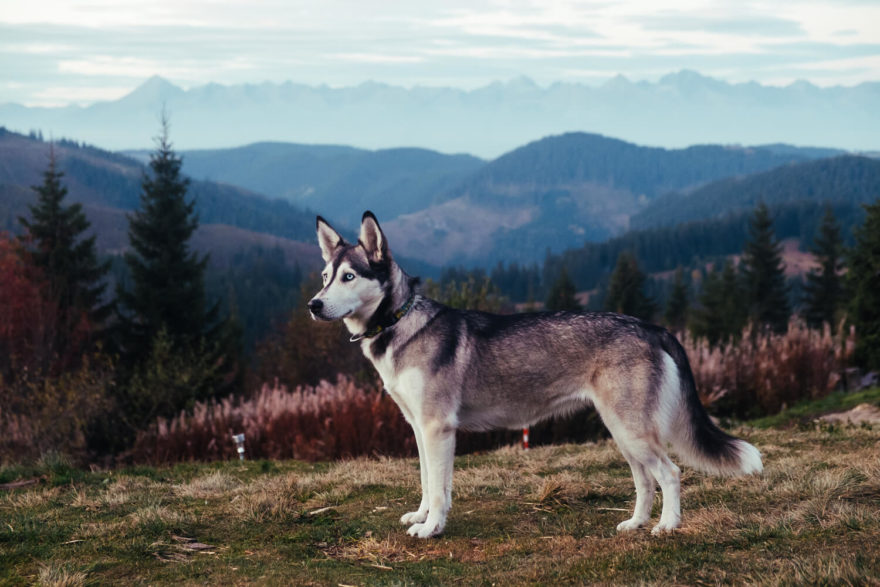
(805, 412)
(545, 516)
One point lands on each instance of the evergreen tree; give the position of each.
(721, 314)
(562, 294)
(69, 264)
(626, 291)
(677, 305)
(824, 288)
(764, 274)
(863, 285)
(168, 290)
(166, 310)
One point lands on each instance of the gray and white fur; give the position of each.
(449, 369)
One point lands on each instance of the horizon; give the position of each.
(63, 52)
(597, 84)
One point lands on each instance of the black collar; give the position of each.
(394, 319)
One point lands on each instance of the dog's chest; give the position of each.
(385, 365)
(405, 385)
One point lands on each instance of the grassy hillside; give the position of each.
(546, 516)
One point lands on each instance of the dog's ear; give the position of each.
(328, 239)
(373, 239)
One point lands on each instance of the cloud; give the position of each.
(465, 43)
(737, 25)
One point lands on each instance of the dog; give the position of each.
(450, 369)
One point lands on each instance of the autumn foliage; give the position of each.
(26, 320)
(762, 374)
(327, 421)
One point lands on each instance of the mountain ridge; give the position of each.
(564, 190)
(841, 179)
(680, 109)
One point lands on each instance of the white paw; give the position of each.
(630, 525)
(426, 529)
(414, 517)
(664, 527)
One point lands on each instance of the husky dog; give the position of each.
(449, 369)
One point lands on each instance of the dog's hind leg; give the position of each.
(645, 487)
(641, 447)
(651, 463)
(668, 476)
(439, 445)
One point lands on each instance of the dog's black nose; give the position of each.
(315, 306)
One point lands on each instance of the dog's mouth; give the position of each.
(319, 315)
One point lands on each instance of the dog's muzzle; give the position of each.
(315, 307)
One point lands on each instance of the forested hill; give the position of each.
(848, 180)
(579, 157)
(105, 182)
(390, 182)
(693, 244)
(561, 191)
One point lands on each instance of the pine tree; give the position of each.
(562, 294)
(168, 284)
(69, 264)
(166, 310)
(863, 285)
(824, 288)
(677, 305)
(764, 274)
(626, 291)
(721, 314)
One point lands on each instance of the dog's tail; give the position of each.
(696, 438)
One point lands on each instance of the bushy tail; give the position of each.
(698, 440)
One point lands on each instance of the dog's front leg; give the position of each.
(420, 515)
(439, 449)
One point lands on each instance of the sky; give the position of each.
(58, 52)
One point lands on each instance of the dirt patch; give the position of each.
(861, 414)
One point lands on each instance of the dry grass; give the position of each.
(762, 374)
(60, 576)
(544, 516)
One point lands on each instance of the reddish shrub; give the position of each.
(761, 374)
(328, 421)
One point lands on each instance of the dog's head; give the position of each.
(356, 276)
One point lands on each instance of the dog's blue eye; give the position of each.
(348, 277)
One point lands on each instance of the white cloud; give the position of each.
(458, 42)
(374, 58)
(65, 95)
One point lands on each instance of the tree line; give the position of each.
(92, 367)
(152, 348)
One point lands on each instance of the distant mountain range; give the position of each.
(550, 195)
(338, 181)
(562, 191)
(553, 193)
(680, 109)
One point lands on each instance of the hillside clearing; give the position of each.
(542, 516)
